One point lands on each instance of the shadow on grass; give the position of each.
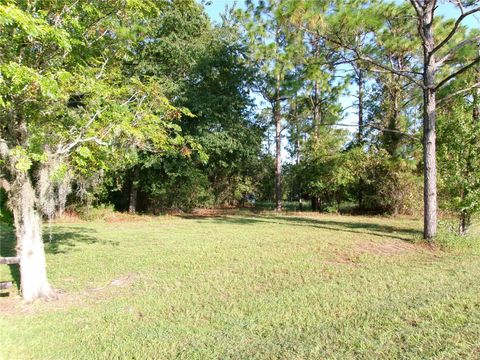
(7, 249)
(357, 227)
(58, 240)
(61, 240)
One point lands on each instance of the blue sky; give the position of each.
(217, 7)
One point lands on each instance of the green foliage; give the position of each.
(103, 88)
(459, 161)
(6, 215)
(100, 212)
(23, 162)
(70, 98)
(175, 184)
(200, 67)
(324, 171)
(387, 185)
(450, 239)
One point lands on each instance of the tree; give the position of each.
(458, 145)
(274, 49)
(434, 72)
(459, 161)
(432, 64)
(65, 106)
(201, 67)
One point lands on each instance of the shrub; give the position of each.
(101, 212)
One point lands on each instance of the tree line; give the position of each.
(149, 106)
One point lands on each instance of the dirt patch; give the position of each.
(113, 217)
(342, 258)
(14, 305)
(123, 281)
(390, 248)
(122, 217)
(216, 212)
(394, 248)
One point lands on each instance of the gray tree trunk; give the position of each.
(316, 113)
(28, 227)
(278, 154)
(360, 83)
(393, 138)
(429, 124)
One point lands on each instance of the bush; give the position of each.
(449, 237)
(184, 190)
(101, 212)
(389, 185)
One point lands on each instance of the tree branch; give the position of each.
(452, 51)
(443, 100)
(374, 62)
(376, 127)
(417, 7)
(454, 29)
(456, 73)
(393, 71)
(420, 12)
(67, 148)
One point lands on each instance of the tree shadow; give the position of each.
(57, 240)
(402, 233)
(61, 240)
(356, 226)
(7, 249)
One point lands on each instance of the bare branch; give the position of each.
(403, 73)
(85, 127)
(359, 56)
(376, 127)
(452, 51)
(445, 99)
(454, 29)
(386, 70)
(418, 9)
(67, 148)
(420, 12)
(458, 72)
(100, 74)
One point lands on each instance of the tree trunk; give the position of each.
(278, 155)
(360, 106)
(28, 227)
(394, 138)
(464, 223)
(316, 113)
(132, 205)
(476, 97)
(298, 146)
(360, 132)
(429, 131)
(277, 118)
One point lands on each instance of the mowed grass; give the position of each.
(248, 287)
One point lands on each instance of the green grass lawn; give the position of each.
(248, 287)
